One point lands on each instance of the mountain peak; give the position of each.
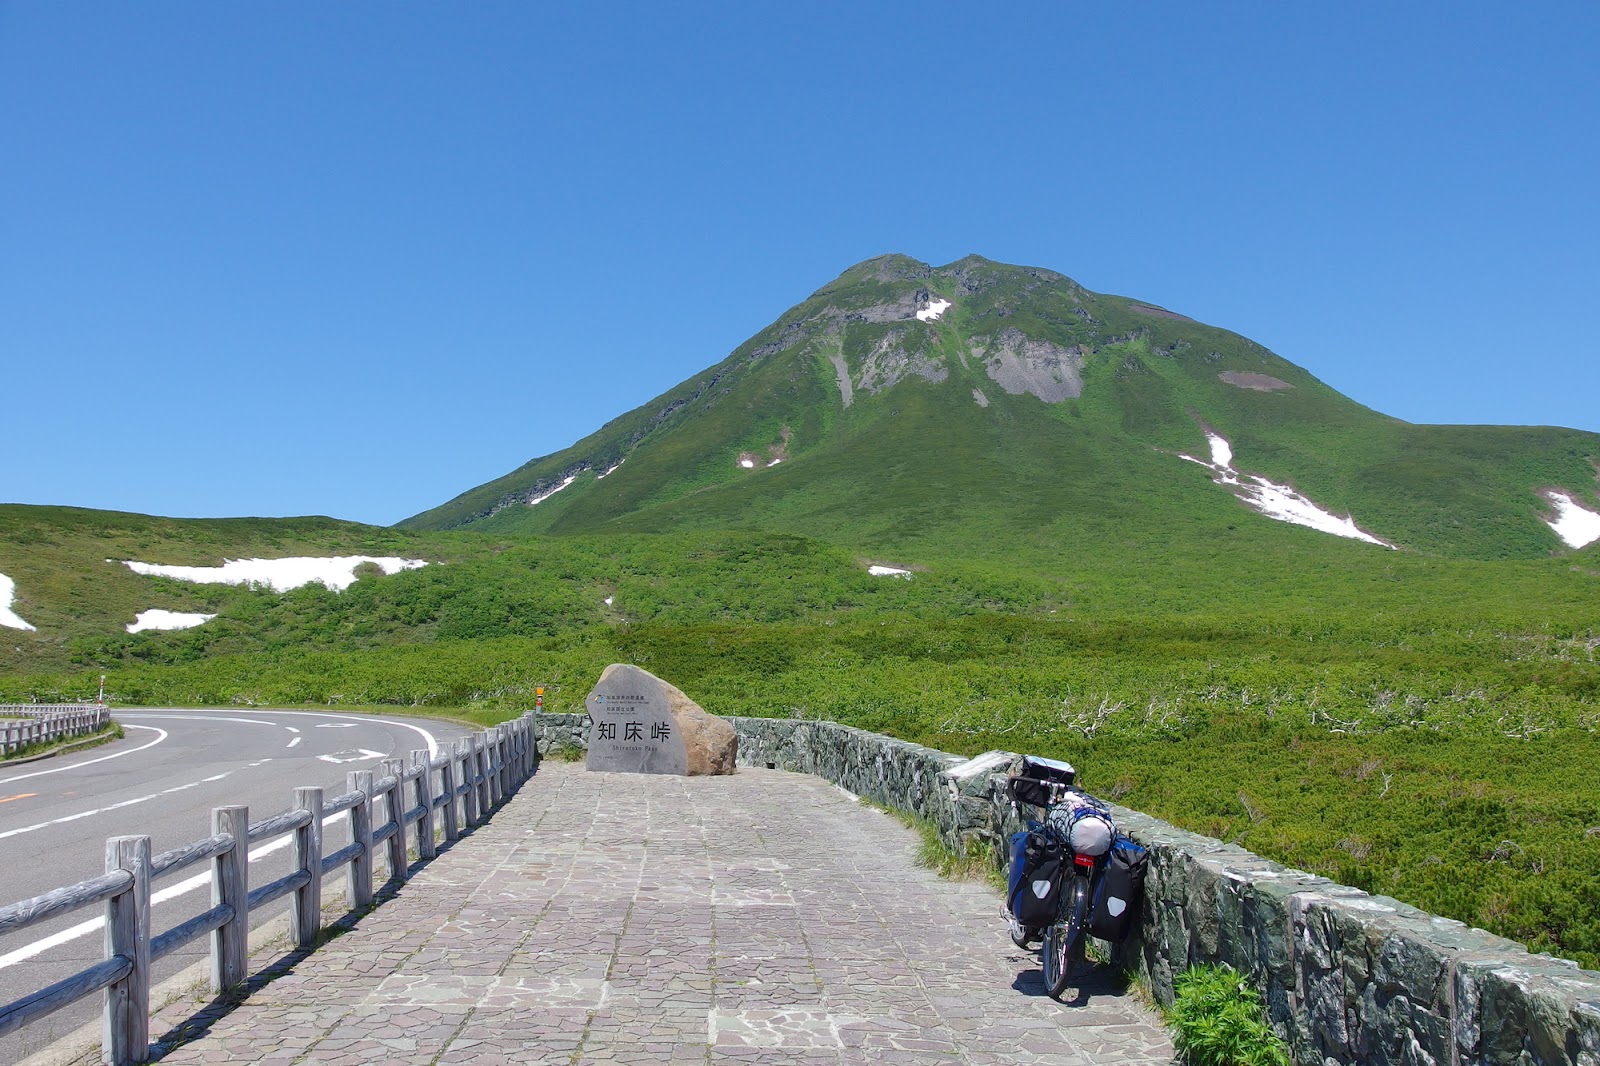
(904, 403)
(890, 268)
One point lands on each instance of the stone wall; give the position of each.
(1349, 978)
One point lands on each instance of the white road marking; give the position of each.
(91, 762)
(200, 718)
(93, 925)
(350, 722)
(295, 741)
(113, 807)
(361, 755)
(291, 729)
(337, 725)
(433, 742)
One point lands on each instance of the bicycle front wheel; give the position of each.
(1063, 941)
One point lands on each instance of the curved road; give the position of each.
(162, 780)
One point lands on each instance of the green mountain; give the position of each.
(980, 409)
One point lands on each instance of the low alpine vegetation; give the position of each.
(1219, 1021)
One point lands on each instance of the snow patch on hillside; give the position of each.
(748, 464)
(611, 469)
(570, 479)
(159, 619)
(934, 309)
(8, 617)
(336, 572)
(888, 571)
(1221, 452)
(1276, 501)
(1576, 525)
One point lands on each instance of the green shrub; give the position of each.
(1220, 1021)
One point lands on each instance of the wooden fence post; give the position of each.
(125, 1021)
(423, 794)
(514, 762)
(305, 917)
(480, 747)
(447, 789)
(230, 885)
(515, 768)
(469, 783)
(399, 867)
(360, 880)
(503, 753)
(492, 752)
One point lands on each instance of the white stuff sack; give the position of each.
(1087, 827)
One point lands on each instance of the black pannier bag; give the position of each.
(1118, 891)
(1037, 867)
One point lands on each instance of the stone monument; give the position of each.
(640, 724)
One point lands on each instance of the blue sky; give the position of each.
(355, 258)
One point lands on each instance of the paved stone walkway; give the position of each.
(614, 918)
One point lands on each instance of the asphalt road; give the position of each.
(162, 780)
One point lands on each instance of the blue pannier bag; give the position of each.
(1034, 891)
(1118, 890)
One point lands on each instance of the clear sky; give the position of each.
(355, 258)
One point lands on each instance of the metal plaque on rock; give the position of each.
(631, 728)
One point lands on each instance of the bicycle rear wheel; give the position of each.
(1063, 940)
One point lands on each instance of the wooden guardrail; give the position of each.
(473, 775)
(39, 723)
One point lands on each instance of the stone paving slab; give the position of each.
(765, 917)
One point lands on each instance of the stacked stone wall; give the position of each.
(1349, 978)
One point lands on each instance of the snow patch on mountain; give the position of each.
(8, 594)
(336, 572)
(888, 571)
(160, 619)
(535, 501)
(1276, 501)
(934, 309)
(1576, 525)
(748, 464)
(611, 469)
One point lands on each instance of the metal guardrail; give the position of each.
(474, 776)
(22, 724)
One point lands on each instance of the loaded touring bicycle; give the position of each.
(1072, 875)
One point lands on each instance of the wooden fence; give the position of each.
(39, 723)
(429, 799)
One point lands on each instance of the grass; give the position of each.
(978, 863)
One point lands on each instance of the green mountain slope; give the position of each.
(71, 585)
(1027, 416)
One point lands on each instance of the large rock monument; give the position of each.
(640, 724)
